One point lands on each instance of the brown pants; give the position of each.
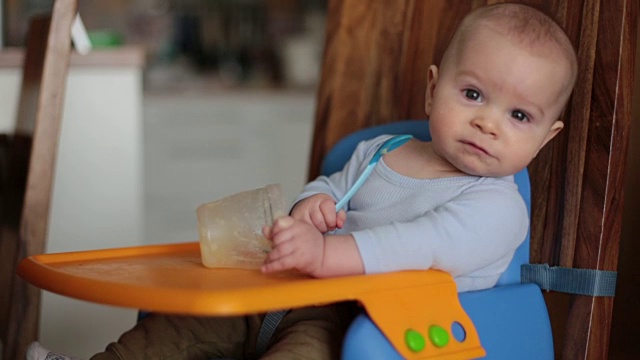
(307, 333)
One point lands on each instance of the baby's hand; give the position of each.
(320, 211)
(296, 245)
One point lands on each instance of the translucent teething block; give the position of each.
(230, 228)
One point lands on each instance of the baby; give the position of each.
(448, 204)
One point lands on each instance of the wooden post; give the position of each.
(28, 159)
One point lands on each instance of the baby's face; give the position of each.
(496, 105)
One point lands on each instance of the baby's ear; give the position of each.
(431, 87)
(553, 131)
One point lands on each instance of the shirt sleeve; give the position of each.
(475, 230)
(337, 184)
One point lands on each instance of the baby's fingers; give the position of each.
(341, 218)
(267, 232)
(318, 221)
(281, 224)
(328, 209)
(272, 267)
(279, 251)
(277, 263)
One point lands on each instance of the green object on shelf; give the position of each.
(105, 38)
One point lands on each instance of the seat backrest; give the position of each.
(341, 152)
(27, 159)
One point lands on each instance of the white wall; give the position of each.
(202, 146)
(97, 196)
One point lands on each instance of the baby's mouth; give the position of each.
(476, 147)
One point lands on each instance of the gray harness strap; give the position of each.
(269, 326)
(570, 280)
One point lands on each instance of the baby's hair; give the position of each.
(526, 24)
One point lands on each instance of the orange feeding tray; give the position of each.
(172, 279)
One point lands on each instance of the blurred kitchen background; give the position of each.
(181, 103)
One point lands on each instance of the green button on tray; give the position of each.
(438, 336)
(414, 340)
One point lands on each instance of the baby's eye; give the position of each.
(519, 115)
(472, 95)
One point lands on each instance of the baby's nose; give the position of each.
(485, 124)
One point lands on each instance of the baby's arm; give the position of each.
(477, 229)
(298, 241)
(299, 245)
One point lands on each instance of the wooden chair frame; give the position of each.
(27, 160)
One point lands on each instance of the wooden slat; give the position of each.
(31, 159)
(626, 317)
(600, 216)
(428, 30)
(577, 208)
(358, 85)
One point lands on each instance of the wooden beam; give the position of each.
(31, 159)
(597, 233)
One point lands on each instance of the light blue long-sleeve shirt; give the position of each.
(468, 226)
